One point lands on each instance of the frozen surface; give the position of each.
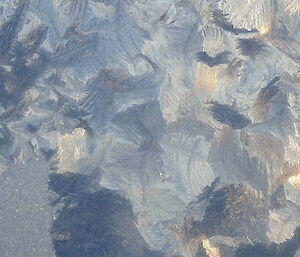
(149, 128)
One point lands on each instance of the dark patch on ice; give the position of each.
(251, 46)
(220, 58)
(228, 115)
(94, 224)
(222, 21)
(285, 249)
(232, 210)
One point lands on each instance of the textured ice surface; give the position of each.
(149, 128)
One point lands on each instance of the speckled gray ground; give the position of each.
(149, 128)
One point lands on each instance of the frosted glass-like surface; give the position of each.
(163, 128)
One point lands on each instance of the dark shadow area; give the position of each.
(267, 93)
(286, 249)
(228, 115)
(98, 224)
(25, 62)
(233, 211)
(251, 46)
(222, 21)
(220, 58)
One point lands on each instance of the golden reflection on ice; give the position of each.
(210, 250)
(70, 149)
(295, 181)
(206, 77)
